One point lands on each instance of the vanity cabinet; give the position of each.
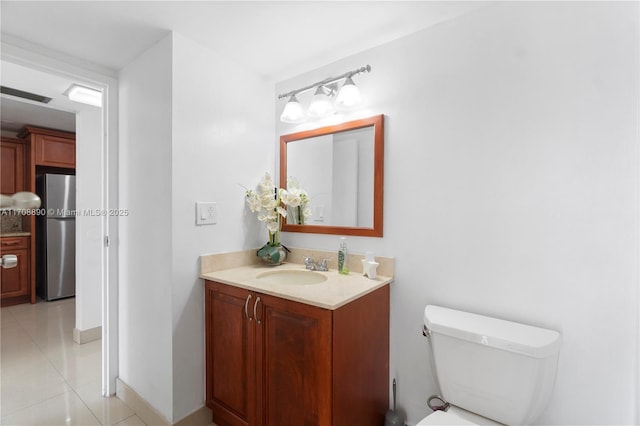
(15, 283)
(12, 166)
(272, 361)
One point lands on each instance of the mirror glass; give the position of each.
(340, 168)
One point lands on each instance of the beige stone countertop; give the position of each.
(336, 291)
(15, 234)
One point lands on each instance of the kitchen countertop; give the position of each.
(15, 234)
(336, 291)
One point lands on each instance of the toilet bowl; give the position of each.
(455, 416)
(490, 371)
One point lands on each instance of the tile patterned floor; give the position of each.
(48, 379)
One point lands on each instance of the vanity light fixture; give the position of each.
(321, 104)
(85, 95)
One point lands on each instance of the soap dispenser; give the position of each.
(343, 256)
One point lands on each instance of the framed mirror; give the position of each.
(341, 169)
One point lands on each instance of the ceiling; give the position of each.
(276, 39)
(16, 112)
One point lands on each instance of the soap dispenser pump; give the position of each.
(343, 256)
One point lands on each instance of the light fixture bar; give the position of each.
(326, 81)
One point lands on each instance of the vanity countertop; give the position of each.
(336, 291)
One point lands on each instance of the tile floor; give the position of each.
(48, 379)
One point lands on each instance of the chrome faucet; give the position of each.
(312, 265)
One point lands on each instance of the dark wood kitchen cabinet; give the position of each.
(52, 148)
(273, 362)
(46, 151)
(15, 283)
(12, 166)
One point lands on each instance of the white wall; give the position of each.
(222, 140)
(194, 127)
(89, 232)
(511, 179)
(145, 240)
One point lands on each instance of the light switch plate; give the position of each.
(206, 213)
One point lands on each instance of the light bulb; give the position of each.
(292, 112)
(320, 104)
(349, 95)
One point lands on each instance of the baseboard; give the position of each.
(151, 416)
(86, 336)
(202, 416)
(139, 405)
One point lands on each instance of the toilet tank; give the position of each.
(499, 369)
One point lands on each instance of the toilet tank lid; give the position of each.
(501, 334)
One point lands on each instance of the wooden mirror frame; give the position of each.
(378, 176)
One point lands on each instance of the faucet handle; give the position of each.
(309, 263)
(323, 265)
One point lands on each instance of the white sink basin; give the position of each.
(292, 276)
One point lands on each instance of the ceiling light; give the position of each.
(293, 112)
(321, 105)
(349, 95)
(85, 95)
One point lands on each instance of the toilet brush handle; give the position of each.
(394, 394)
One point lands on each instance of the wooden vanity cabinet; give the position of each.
(273, 362)
(15, 283)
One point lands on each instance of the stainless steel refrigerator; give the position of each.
(56, 237)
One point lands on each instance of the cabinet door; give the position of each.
(55, 151)
(12, 167)
(14, 282)
(293, 357)
(230, 355)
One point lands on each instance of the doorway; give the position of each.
(97, 165)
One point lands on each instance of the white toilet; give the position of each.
(489, 371)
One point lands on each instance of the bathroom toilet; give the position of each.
(490, 371)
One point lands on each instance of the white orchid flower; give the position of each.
(294, 199)
(254, 204)
(273, 227)
(271, 204)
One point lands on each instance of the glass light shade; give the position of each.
(6, 202)
(25, 200)
(349, 94)
(320, 104)
(292, 112)
(85, 95)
